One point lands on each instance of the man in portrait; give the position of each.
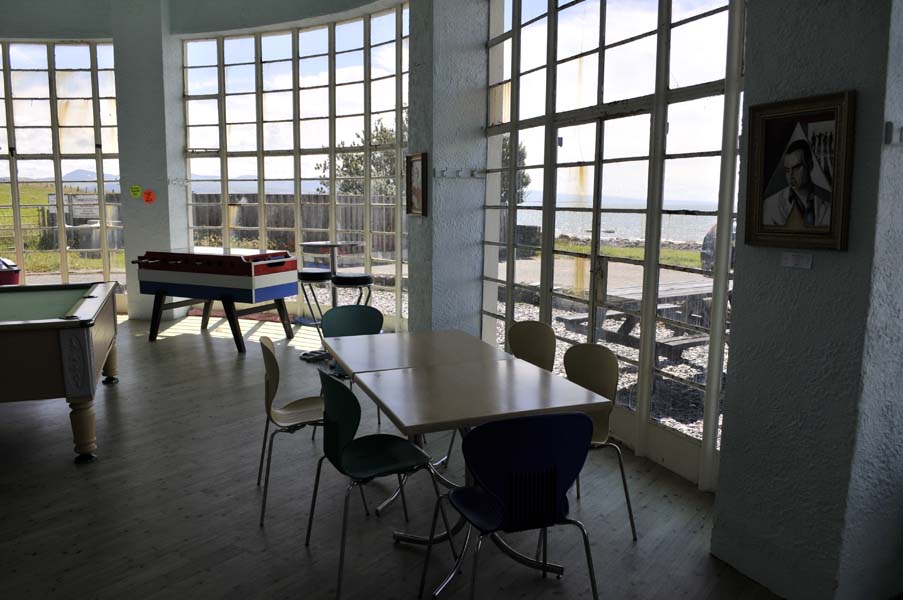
(802, 204)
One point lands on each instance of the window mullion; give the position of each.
(368, 236)
(224, 168)
(399, 165)
(13, 174)
(333, 195)
(547, 256)
(258, 100)
(296, 145)
(58, 177)
(98, 161)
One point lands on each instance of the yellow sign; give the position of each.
(135, 191)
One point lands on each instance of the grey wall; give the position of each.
(794, 380)
(55, 19)
(871, 561)
(448, 113)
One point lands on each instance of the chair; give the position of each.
(522, 469)
(288, 419)
(595, 367)
(533, 342)
(348, 320)
(360, 459)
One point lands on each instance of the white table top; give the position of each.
(364, 353)
(464, 394)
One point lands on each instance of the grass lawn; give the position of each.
(668, 256)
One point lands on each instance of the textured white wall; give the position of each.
(151, 134)
(448, 113)
(797, 337)
(871, 560)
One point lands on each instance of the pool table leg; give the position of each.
(111, 367)
(81, 416)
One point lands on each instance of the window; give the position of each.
(299, 136)
(571, 227)
(59, 167)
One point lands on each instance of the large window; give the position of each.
(299, 136)
(586, 195)
(59, 167)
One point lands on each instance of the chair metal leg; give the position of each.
(457, 568)
(578, 486)
(379, 417)
(626, 491)
(338, 587)
(364, 500)
(263, 448)
(451, 445)
(360, 295)
(545, 551)
(404, 502)
(313, 501)
(589, 555)
(266, 480)
(313, 433)
(448, 529)
(473, 576)
(538, 546)
(429, 547)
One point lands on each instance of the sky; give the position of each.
(697, 55)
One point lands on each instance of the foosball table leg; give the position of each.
(205, 320)
(156, 316)
(232, 317)
(283, 316)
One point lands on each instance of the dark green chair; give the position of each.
(361, 459)
(348, 320)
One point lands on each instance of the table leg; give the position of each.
(81, 417)
(156, 316)
(111, 366)
(283, 316)
(229, 307)
(205, 320)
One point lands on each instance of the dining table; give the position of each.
(436, 381)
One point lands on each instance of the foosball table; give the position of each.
(230, 278)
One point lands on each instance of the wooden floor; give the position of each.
(170, 508)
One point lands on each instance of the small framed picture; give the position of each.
(416, 184)
(798, 182)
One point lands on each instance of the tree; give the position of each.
(382, 164)
(523, 178)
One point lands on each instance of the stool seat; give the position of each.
(352, 279)
(312, 275)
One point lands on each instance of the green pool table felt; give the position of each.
(37, 305)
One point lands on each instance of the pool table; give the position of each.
(55, 342)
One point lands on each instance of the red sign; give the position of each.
(148, 196)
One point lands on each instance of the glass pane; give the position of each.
(202, 112)
(499, 17)
(528, 232)
(277, 75)
(677, 406)
(75, 112)
(349, 67)
(500, 104)
(200, 138)
(200, 53)
(578, 29)
(626, 137)
(577, 143)
(349, 131)
(530, 146)
(314, 165)
(684, 9)
(349, 99)
(695, 126)
(276, 46)
(200, 81)
(73, 84)
(573, 231)
(382, 27)
(241, 137)
(241, 108)
(313, 72)
(315, 134)
(278, 136)
(493, 330)
(27, 56)
(77, 140)
(500, 62)
(34, 141)
(106, 84)
(107, 112)
(314, 102)
(692, 183)
(622, 235)
(532, 95)
(240, 79)
(104, 56)
(496, 228)
(71, 56)
(29, 113)
(530, 9)
(699, 51)
(526, 302)
(238, 50)
(313, 41)
(574, 187)
(630, 70)
(109, 139)
(572, 276)
(577, 83)
(625, 185)
(382, 60)
(30, 84)
(382, 94)
(685, 238)
(207, 238)
(349, 35)
(498, 151)
(627, 18)
(277, 106)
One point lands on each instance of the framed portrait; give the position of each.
(416, 184)
(798, 180)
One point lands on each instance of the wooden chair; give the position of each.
(288, 419)
(595, 367)
(533, 342)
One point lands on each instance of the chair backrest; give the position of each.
(351, 319)
(271, 381)
(594, 367)
(341, 418)
(533, 342)
(528, 464)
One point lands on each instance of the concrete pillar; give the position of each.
(151, 134)
(447, 117)
(808, 382)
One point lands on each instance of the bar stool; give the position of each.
(308, 277)
(355, 280)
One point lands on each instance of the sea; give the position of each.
(624, 226)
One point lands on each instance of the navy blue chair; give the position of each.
(522, 469)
